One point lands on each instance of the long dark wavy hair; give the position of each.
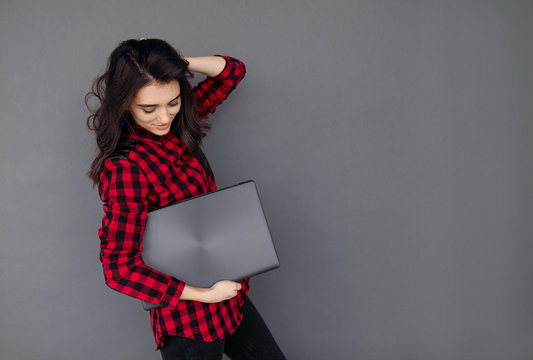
(132, 65)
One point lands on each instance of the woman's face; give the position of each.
(155, 105)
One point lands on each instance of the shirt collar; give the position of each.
(140, 133)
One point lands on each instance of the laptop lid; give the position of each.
(220, 235)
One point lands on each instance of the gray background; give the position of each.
(390, 141)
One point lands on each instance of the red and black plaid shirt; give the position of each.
(157, 171)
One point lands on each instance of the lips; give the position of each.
(162, 127)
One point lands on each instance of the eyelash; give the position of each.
(151, 111)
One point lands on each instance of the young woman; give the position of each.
(149, 124)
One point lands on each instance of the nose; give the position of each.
(164, 117)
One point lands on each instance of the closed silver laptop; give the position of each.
(221, 235)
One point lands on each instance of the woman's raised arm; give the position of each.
(213, 90)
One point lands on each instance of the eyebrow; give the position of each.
(146, 105)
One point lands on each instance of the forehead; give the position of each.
(156, 93)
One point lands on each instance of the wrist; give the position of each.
(195, 293)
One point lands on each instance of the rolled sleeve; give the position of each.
(212, 91)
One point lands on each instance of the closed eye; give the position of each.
(174, 102)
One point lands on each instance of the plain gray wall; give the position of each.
(390, 142)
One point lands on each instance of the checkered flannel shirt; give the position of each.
(157, 172)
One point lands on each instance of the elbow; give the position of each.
(116, 280)
(242, 70)
(111, 283)
(117, 272)
(112, 277)
(237, 68)
(241, 65)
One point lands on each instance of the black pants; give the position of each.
(251, 341)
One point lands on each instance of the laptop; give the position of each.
(220, 235)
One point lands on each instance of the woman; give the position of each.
(149, 124)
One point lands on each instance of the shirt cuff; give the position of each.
(173, 293)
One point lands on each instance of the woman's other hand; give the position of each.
(223, 290)
(219, 291)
